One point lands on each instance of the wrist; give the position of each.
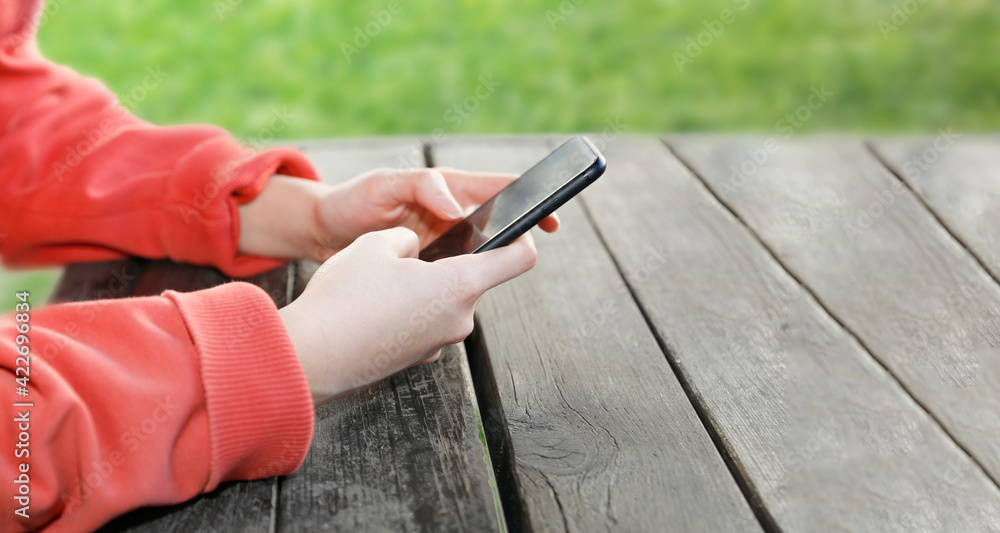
(281, 222)
(313, 354)
(256, 429)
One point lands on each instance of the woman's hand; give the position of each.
(426, 200)
(374, 308)
(299, 219)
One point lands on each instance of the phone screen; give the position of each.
(540, 183)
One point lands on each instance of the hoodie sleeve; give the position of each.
(82, 179)
(145, 401)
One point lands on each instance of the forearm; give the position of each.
(150, 401)
(82, 179)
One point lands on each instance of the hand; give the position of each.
(426, 200)
(374, 308)
(300, 219)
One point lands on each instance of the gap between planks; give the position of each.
(479, 389)
(869, 146)
(422, 157)
(733, 464)
(500, 442)
(505, 489)
(909, 393)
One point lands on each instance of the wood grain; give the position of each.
(406, 454)
(958, 178)
(246, 506)
(865, 455)
(589, 416)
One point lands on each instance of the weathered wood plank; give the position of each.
(590, 421)
(958, 178)
(96, 281)
(856, 452)
(340, 160)
(406, 454)
(138, 277)
(243, 506)
(403, 455)
(158, 276)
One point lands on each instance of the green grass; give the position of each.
(606, 61)
(39, 283)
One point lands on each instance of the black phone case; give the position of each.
(546, 208)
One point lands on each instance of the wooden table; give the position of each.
(728, 334)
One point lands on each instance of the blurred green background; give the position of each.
(386, 68)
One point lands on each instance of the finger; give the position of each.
(550, 224)
(399, 241)
(488, 269)
(429, 189)
(475, 187)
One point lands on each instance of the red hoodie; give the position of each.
(143, 401)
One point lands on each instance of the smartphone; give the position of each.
(524, 203)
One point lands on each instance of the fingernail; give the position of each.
(451, 208)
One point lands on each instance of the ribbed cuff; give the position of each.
(260, 410)
(204, 192)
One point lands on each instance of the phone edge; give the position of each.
(550, 204)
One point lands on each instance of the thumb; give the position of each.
(432, 192)
(488, 269)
